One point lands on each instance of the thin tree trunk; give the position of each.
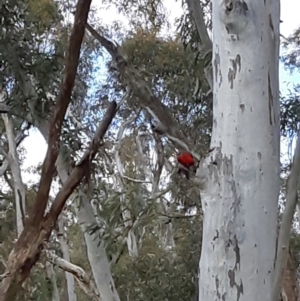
(96, 254)
(19, 188)
(52, 277)
(66, 256)
(286, 221)
(95, 249)
(290, 286)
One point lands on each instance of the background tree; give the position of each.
(139, 219)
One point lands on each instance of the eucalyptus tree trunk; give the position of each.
(95, 249)
(241, 175)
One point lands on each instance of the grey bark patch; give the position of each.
(236, 66)
(242, 106)
(217, 61)
(271, 100)
(232, 283)
(216, 236)
(217, 282)
(237, 254)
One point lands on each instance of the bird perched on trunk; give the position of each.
(187, 164)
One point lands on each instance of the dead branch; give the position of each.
(66, 266)
(135, 180)
(78, 272)
(66, 254)
(60, 108)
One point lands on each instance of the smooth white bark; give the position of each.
(13, 160)
(97, 254)
(240, 195)
(119, 186)
(66, 256)
(83, 279)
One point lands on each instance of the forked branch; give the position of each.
(31, 242)
(80, 170)
(63, 100)
(36, 231)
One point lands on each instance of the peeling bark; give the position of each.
(119, 186)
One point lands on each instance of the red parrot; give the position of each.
(187, 163)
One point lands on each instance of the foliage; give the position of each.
(290, 115)
(160, 274)
(33, 42)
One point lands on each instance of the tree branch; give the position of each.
(19, 188)
(78, 272)
(80, 170)
(196, 12)
(85, 216)
(63, 100)
(19, 138)
(129, 74)
(286, 222)
(31, 242)
(28, 247)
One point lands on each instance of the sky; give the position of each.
(35, 145)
